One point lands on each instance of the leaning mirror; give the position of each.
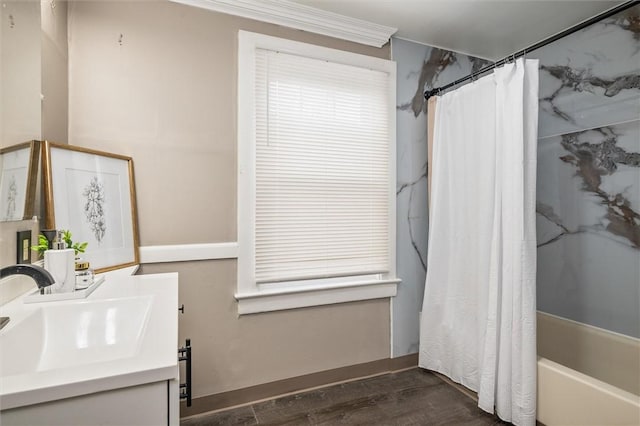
(18, 178)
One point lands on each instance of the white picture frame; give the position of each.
(18, 178)
(92, 194)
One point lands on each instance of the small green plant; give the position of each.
(43, 243)
(78, 247)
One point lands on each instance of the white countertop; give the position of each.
(154, 359)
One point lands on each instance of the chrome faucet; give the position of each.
(41, 276)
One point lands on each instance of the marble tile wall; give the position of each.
(588, 195)
(420, 68)
(588, 175)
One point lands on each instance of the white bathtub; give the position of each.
(570, 397)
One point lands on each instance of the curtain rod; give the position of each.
(513, 57)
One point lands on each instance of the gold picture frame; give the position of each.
(18, 180)
(92, 194)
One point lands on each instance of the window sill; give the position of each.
(305, 296)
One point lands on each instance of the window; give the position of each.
(316, 175)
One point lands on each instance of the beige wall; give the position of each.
(20, 117)
(232, 352)
(55, 89)
(157, 81)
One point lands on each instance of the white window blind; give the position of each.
(322, 204)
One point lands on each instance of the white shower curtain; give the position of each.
(479, 311)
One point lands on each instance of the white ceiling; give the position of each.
(488, 29)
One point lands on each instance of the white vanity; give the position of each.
(109, 359)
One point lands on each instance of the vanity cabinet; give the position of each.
(148, 404)
(109, 359)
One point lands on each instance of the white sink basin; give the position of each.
(71, 335)
(125, 334)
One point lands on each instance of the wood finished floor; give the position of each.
(412, 397)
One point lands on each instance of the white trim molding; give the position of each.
(188, 252)
(301, 17)
(305, 296)
(255, 296)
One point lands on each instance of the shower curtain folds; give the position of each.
(479, 310)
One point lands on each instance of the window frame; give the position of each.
(253, 297)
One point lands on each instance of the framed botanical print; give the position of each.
(92, 194)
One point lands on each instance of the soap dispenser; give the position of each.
(60, 262)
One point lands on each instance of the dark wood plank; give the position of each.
(408, 399)
(242, 416)
(412, 397)
(299, 406)
(263, 391)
